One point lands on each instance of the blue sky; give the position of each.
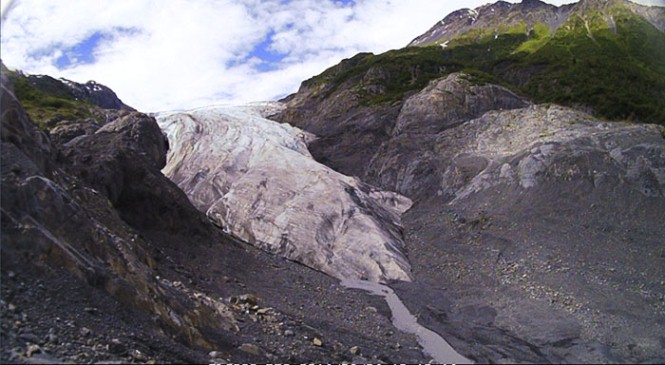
(81, 53)
(175, 54)
(270, 59)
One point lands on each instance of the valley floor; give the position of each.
(502, 287)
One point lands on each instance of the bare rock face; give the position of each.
(407, 162)
(653, 14)
(450, 101)
(89, 210)
(256, 179)
(544, 144)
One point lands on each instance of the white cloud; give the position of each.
(169, 54)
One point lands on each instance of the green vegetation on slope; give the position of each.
(538, 37)
(620, 75)
(394, 72)
(398, 72)
(48, 103)
(617, 72)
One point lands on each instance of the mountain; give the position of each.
(508, 187)
(608, 61)
(51, 102)
(507, 18)
(497, 18)
(536, 193)
(570, 55)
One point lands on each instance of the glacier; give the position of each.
(256, 179)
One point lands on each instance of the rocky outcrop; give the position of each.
(450, 101)
(257, 180)
(547, 213)
(391, 146)
(545, 144)
(406, 162)
(91, 209)
(339, 118)
(541, 209)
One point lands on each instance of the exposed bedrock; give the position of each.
(554, 219)
(408, 160)
(88, 208)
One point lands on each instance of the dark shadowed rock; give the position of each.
(62, 214)
(348, 131)
(33, 143)
(100, 159)
(122, 160)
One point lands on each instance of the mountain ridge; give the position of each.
(616, 73)
(51, 102)
(499, 16)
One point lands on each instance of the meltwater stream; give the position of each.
(432, 343)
